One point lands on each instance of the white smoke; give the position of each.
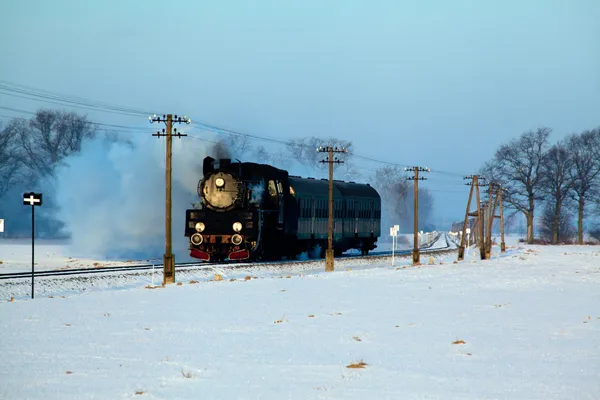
(112, 197)
(257, 191)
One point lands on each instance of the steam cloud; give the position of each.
(112, 197)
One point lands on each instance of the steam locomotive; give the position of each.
(251, 211)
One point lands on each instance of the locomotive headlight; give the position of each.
(196, 239)
(236, 239)
(200, 226)
(220, 182)
(237, 226)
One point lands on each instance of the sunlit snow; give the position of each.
(523, 325)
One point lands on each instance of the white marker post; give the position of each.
(393, 234)
(33, 200)
(468, 234)
(397, 228)
(1, 225)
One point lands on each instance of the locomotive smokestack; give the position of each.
(208, 165)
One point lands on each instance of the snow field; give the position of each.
(529, 320)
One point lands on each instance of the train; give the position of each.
(251, 211)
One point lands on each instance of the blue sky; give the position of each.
(432, 83)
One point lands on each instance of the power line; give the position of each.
(30, 93)
(16, 90)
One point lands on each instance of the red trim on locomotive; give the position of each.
(202, 255)
(239, 255)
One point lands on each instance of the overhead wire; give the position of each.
(27, 92)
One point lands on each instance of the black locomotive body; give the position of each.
(253, 211)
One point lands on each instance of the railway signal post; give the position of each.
(416, 253)
(169, 258)
(330, 150)
(33, 200)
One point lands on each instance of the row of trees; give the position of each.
(563, 177)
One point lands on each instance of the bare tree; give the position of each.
(9, 161)
(516, 166)
(261, 153)
(49, 137)
(585, 152)
(556, 183)
(349, 172)
(391, 185)
(397, 200)
(304, 151)
(549, 222)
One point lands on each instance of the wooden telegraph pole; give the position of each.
(479, 226)
(491, 215)
(169, 258)
(501, 216)
(416, 254)
(331, 161)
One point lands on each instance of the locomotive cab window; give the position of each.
(292, 191)
(272, 188)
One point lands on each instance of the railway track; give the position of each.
(228, 264)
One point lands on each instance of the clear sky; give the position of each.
(435, 83)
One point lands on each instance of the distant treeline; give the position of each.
(563, 178)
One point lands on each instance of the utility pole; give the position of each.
(479, 226)
(491, 216)
(331, 161)
(502, 244)
(169, 258)
(416, 254)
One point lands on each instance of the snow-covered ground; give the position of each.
(523, 325)
(15, 255)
